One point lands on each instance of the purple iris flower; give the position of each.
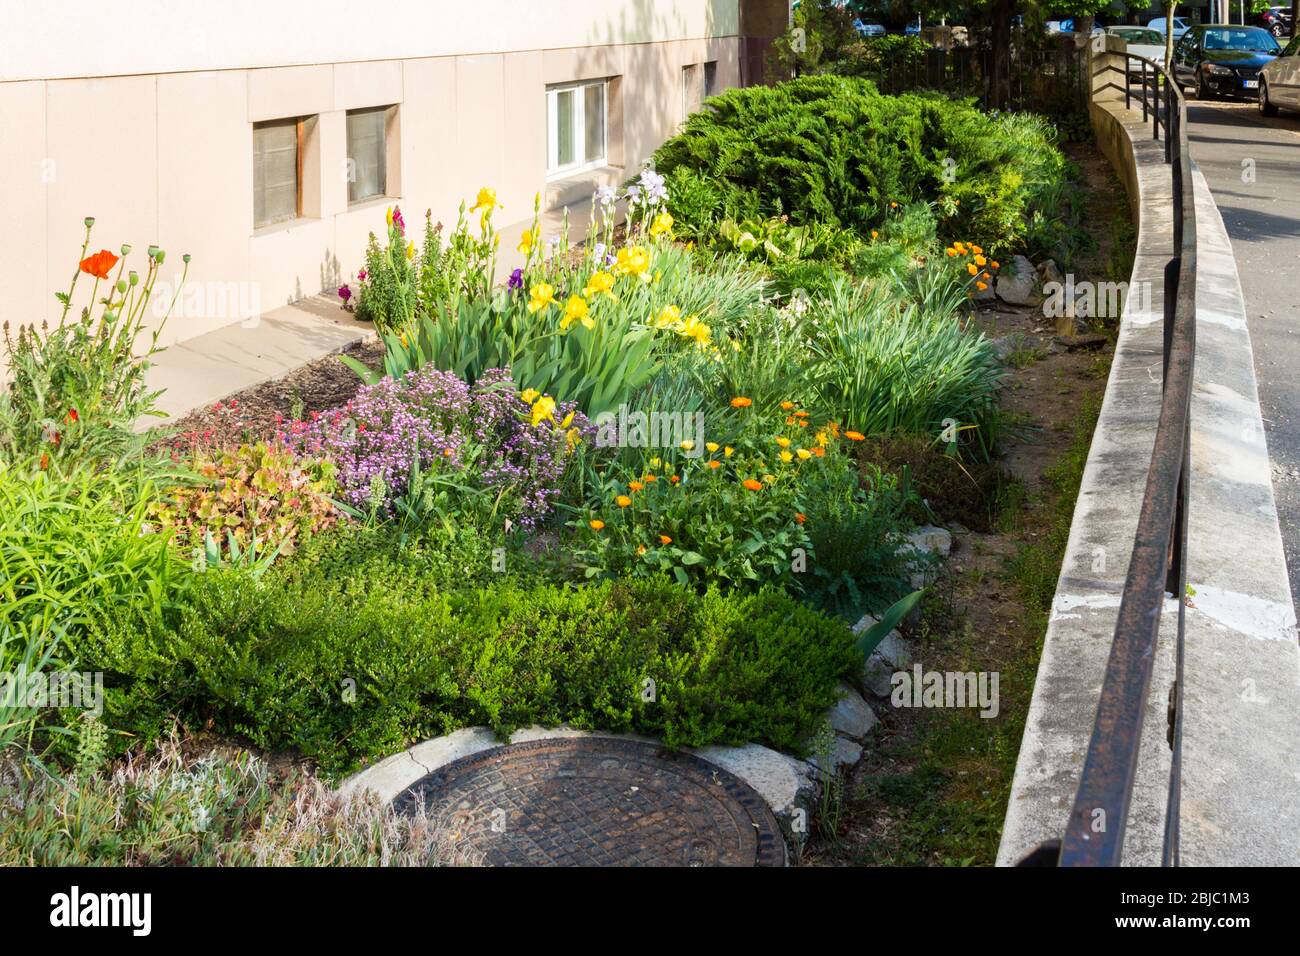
(516, 280)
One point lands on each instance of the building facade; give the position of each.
(266, 138)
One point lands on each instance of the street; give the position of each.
(1253, 167)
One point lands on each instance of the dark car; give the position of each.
(1275, 20)
(1223, 60)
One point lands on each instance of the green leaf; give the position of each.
(872, 636)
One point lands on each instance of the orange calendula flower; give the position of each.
(664, 539)
(99, 264)
(649, 478)
(741, 402)
(640, 549)
(675, 478)
(596, 524)
(752, 484)
(622, 501)
(977, 250)
(819, 451)
(800, 517)
(855, 436)
(787, 405)
(980, 260)
(715, 464)
(874, 234)
(635, 485)
(950, 251)
(994, 264)
(45, 461)
(800, 414)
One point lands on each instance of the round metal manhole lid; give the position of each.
(596, 801)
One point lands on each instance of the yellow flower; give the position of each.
(688, 445)
(528, 239)
(971, 268)
(543, 409)
(576, 310)
(803, 453)
(487, 201)
(980, 260)
(770, 479)
(663, 223)
(530, 395)
(712, 446)
(950, 251)
(596, 524)
(728, 452)
(977, 250)
(540, 296)
(571, 438)
(787, 457)
(410, 250)
(402, 339)
(640, 549)
(693, 328)
(568, 420)
(787, 405)
(655, 462)
(670, 317)
(783, 441)
(600, 283)
(622, 501)
(633, 261)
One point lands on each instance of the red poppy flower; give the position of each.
(45, 462)
(72, 415)
(99, 264)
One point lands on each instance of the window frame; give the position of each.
(583, 162)
(299, 147)
(385, 113)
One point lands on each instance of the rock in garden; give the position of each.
(852, 716)
(844, 752)
(931, 539)
(1049, 272)
(1018, 283)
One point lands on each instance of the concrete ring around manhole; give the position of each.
(596, 801)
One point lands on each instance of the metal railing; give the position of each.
(1094, 834)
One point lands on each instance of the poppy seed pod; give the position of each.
(186, 258)
(121, 285)
(90, 221)
(126, 249)
(160, 257)
(153, 252)
(133, 276)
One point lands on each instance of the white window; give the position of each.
(277, 171)
(575, 128)
(367, 153)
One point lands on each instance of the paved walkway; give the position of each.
(1230, 141)
(208, 368)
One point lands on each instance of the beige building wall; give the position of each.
(151, 131)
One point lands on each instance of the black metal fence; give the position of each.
(1051, 78)
(1094, 834)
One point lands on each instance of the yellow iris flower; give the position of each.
(600, 283)
(633, 261)
(543, 410)
(663, 224)
(576, 310)
(540, 296)
(486, 200)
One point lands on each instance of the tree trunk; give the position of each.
(1000, 81)
(1169, 36)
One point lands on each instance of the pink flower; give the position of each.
(345, 293)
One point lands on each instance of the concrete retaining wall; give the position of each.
(1242, 699)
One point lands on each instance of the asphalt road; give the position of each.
(1230, 140)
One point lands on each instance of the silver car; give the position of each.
(1279, 81)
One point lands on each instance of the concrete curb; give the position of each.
(1242, 700)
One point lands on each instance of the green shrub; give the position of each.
(833, 150)
(343, 668)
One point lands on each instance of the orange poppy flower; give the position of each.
(752, 485)
(664, 539)
(596, 524)
(800, 517)
(99, 264)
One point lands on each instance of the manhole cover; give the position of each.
(597, 801)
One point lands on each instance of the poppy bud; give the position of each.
(133, 276)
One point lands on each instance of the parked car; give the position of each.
(913, 29)
(1181, 26)
(869, 28)
(1143, 42)
(1222, 59)
(1279, 81)
(1276, 20)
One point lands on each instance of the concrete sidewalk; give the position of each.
(209, 368)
